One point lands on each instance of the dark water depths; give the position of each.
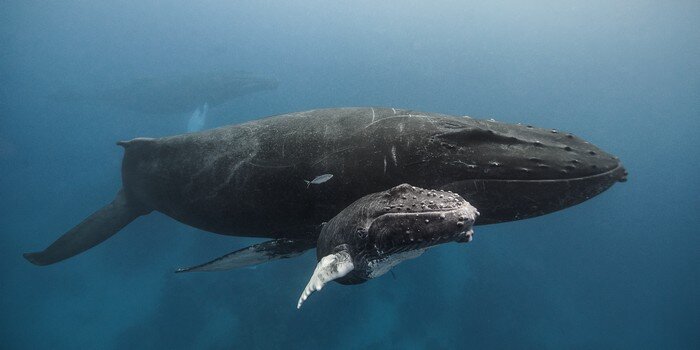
(619, 271)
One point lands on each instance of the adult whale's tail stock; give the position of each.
(92, 231)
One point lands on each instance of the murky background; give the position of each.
(619, 271)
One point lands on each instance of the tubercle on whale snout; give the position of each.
(393, 233)
(405, 198)
(425, 228)
(421, 215)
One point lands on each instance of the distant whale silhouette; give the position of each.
(177, 94)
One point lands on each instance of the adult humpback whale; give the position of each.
(248, 179)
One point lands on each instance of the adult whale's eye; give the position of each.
(361, 232)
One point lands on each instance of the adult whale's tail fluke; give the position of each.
(92, 231)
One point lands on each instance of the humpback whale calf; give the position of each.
(249, 179)
(380, 230)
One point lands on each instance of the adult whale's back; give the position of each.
(249, 179)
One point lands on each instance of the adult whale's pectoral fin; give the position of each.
(330, 267)
(256, 254)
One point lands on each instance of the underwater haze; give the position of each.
(619, 271)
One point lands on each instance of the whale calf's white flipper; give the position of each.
(329, 268)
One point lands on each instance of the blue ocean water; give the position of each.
(620, 271)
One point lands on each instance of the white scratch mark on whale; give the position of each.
(399, 116)
(332, 153)
(231, 176)
(393, 155)
(268, 166)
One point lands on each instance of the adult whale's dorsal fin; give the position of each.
(256, 254)
(330, 267)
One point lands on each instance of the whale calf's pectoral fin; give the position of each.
(330, 267)
(256, 254)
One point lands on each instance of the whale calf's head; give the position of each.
(386, 227)
(382, 229)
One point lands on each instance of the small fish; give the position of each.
(318, 180)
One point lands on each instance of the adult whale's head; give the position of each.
(508, 171)
(380, 230)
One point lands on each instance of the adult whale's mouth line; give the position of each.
(418, 212)
(619, 168)
(500, 200)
